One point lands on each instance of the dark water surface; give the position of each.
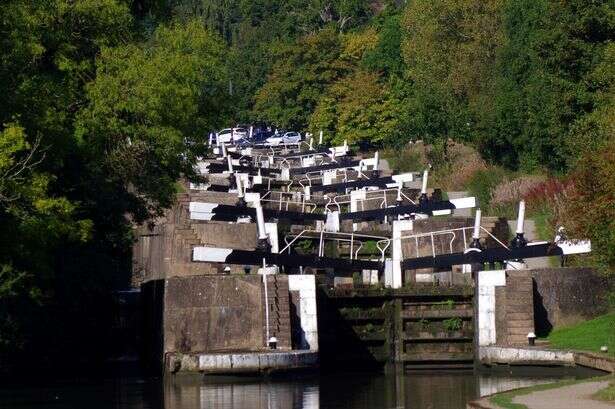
(416, 390)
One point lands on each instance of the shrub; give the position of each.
(514, 190)
(482, 183)
(410, 158)
(452, 324)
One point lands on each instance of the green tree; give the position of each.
(449, 50)
(357, 108)
(300, 74)
(146, 102)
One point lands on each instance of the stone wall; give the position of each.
(213, 314)
(564, 296)
(164, 248)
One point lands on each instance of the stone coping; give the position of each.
(241, 362)
(511, 355)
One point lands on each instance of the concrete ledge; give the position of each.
(489, 355)
(595, 361)
(245, 362)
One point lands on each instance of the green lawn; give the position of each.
(586, 336)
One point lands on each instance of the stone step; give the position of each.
(516, 309)
(520, 316)
(521, 333)
(528, 323)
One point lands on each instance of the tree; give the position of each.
(146, 102)
(449, 51)
(357, 108)
(300, 75)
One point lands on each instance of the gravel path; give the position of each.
(576, 396)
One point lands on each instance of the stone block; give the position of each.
(245, 361)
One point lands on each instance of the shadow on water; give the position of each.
(416, 390)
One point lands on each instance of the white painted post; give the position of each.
(266, 302)
(476, 232)
(376, 159)
(399, 226)
(238, 182)
(320, 138)
(224, 150)
(251, 131)
(211, 139)
(521, 217)
(424, 187)
(229, 161)
(345, 144)
(260, 219)
(311, 143)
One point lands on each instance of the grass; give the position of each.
(505, 400)
(606, 394)
(586, 336)
(544, 228)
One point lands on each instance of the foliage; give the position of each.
(405, 159)
(586, 336)
(145, 103)
(452, 324)
(589, 211)
(297, 80)
(357, 109)
(482, 183)
(449, 50)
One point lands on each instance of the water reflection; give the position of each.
(414, 390)
(239, 393)
(417, 390)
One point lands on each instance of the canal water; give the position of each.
(415, 390)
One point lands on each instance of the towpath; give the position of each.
(576, 396)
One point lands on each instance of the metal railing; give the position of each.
(354, 239)
(376, 195)
(453, 234)
(292, 198)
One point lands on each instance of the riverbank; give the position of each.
(559, 395)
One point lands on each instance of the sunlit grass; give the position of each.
(586, 336)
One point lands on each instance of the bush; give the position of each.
(483, 182)
(410, 158)
(514, 190)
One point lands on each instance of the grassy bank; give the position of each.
(505, 400)
(586, 336)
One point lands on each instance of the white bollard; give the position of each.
(424, 187)
(476, 232)
(520, 217)
(376, 160)
(260, 220)
(229, 161)
(239, 184)
(320, 138)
